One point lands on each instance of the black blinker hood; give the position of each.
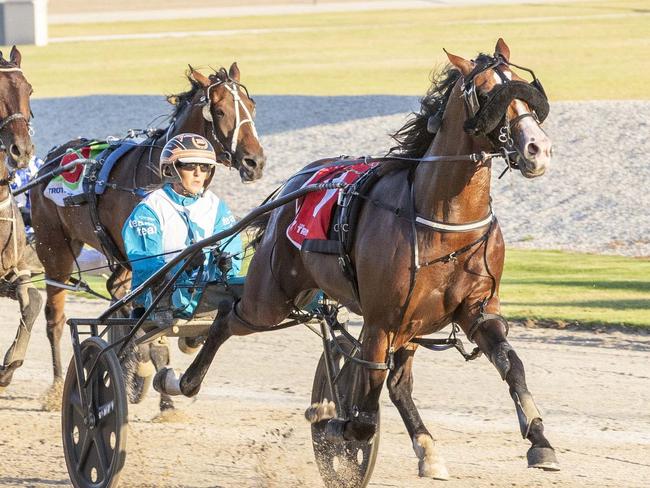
(494, 108)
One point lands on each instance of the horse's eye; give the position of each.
(218, 112)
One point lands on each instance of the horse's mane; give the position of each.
(413, 139)
(180, 100)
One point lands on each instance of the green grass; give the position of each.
(561, 287)
(570, 287)
(578, 54)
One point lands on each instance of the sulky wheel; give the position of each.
(136, 364)
(94, 441)
(342, 464)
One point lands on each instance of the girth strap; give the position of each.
(443, 227)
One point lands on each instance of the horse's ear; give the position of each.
(233, 72)
(200, 78)
(15, 57)
(502, 49)
(173, 99)
(463, 65)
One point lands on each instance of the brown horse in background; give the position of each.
(217, 107)
(16, 150)
(427, 252)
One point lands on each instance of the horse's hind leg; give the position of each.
(400, 387)
(490, 336)
(30, 303)
(56, 252)
(367, 386)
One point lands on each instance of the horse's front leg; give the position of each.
(400, 387)
(255, 312)
(30, 303)
(489, 330)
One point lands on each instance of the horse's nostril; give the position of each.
(532, 149)
(15, 152)
(250, 163)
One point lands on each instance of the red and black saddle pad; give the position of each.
(314, 211)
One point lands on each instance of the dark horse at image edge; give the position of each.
(16, 261)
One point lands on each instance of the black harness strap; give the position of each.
(110, 248)
(482, 319)
(453, 256)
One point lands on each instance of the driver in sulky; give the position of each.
(182, 212)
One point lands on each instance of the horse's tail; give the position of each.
(258, 228)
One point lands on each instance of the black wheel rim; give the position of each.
(94, 446)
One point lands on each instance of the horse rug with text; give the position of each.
(69, 187)
(314, 211)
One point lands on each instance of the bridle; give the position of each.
(489, 112)
(228, 151)
(15, 116)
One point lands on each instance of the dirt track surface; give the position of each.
(246, 428)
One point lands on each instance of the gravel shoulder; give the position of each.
(593, 199)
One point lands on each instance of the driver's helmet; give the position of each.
(186, 148)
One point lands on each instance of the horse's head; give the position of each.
(230, 111)
(15, 113)
(506, 109)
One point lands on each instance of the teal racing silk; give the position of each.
(164, 224)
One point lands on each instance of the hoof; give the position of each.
(187, 348)
(542, 458)
(430, 463)
(7, 373)
(166, 405)
(320, 411)
(435, 470)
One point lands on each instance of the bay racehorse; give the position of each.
(16, 150)
(427, 251)
(218, 107)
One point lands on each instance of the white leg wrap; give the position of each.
(430, 464)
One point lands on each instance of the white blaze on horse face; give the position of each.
(532, 141)
(497, 78)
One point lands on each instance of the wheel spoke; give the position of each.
(75, 401)
(96, 383)
(85, 450)
(101, 454)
